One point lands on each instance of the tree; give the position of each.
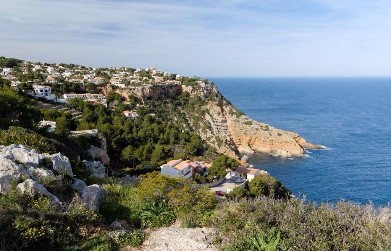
(220, 164)
(17, 110)
(63, 126)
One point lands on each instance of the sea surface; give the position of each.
(350, 116)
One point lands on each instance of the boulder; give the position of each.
(38, 173)
(93, 196)
(21, 154)
(78, 185)
(95, 168)
(10, 172)
(61, 164)
(32, 187)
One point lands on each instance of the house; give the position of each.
(246, 173)
(130, 114)
(6, 71)
(177, 168)
(183, 168)
(42, 91)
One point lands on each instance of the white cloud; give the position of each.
(203, 37)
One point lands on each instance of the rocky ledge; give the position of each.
(39, 173)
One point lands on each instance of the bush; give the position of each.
(302, 226)
(157, 214)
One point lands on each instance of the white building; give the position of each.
(246, 173)
(130, 114)
(42, 91)
(177, 168)
(6, 71)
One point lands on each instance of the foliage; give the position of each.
(121, 203)
(17, 110)
(18, 135)
(9, 62)
(267, 185)
(157, 214)
(192, 204)
(221, 163)
(297, 225)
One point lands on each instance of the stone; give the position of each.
(32, 187)
(61, 164)
(21, 154)
(10, 172)
(78, 185)
(95, 168)
(38, 173)
(93, 196)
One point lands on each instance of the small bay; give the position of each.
(350, 116)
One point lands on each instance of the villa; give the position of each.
(182, 168)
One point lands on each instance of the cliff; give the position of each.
(219, 123)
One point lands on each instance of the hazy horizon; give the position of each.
(237, 38)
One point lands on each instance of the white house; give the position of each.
(42, 91)
(177, 168)
(6, 71)
(246, 173)
(130, 114)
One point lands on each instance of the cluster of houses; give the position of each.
(186, 169)
(58, 74)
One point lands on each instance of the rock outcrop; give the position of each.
(92, 196)
(95, 168)
(31, 170)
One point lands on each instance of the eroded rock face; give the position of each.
(29, 170)
(92, 196)
(21, 154)
(234, 134)
(100, 153)
(61, 164)
(95, 168)
(32, 187)
(10, 173)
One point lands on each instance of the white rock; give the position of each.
(38, 173)
(21, 154)
(32, 187)
(93, 196)
(10, 172)
(95, 168)
(78, 185)
(61, 164)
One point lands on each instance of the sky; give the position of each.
(216, 38)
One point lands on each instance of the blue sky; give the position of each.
(204, 38)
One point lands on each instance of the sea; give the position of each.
(351, 117)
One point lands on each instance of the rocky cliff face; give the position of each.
(233, 133)
(223, 126)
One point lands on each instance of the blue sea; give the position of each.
(350, 116)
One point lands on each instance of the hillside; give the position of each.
(205, 111)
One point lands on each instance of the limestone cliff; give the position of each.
(222, 125)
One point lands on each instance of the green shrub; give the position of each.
(294, 224)
(157, 214)
(121, 203)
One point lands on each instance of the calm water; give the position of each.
(350, 116)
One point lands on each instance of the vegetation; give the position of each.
(259, 216)
(17, 110)
(269, 224)
(220, 164)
